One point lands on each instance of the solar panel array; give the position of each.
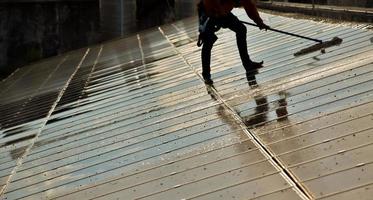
(132, 119)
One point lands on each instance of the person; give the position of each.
(216, 14)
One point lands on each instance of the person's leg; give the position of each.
(209, 39)
(233, 23)
(206, 55)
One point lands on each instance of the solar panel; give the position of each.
(132, 119)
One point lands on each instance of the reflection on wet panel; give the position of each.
(135, 120)
(313, 112)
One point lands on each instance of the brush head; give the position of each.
(320, 46)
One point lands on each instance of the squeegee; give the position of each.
(320, 46)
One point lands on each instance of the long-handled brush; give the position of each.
(321, 45)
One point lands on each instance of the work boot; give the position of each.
(207, 79)
(253, 66)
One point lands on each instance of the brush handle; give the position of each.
(286, 33)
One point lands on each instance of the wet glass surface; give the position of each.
(135, 120)
(134, 114)
(309, 110)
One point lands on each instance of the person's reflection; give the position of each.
(211, 92)
(251, 79)
(260, 115)
(281, 109)
(262, 109)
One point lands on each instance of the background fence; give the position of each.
(353, 3)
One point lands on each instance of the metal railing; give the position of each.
(350, 3)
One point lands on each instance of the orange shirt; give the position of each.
(219, 8)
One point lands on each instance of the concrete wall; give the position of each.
(117, 17)
(31, 31)
(352, 3)
(34, 29)
(123, 17)
(345, 13)
(357, 3)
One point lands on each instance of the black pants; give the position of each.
(230, 21)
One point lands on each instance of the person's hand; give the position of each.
(263, 26)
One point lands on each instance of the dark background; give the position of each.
(31, 30)
(355, 3)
